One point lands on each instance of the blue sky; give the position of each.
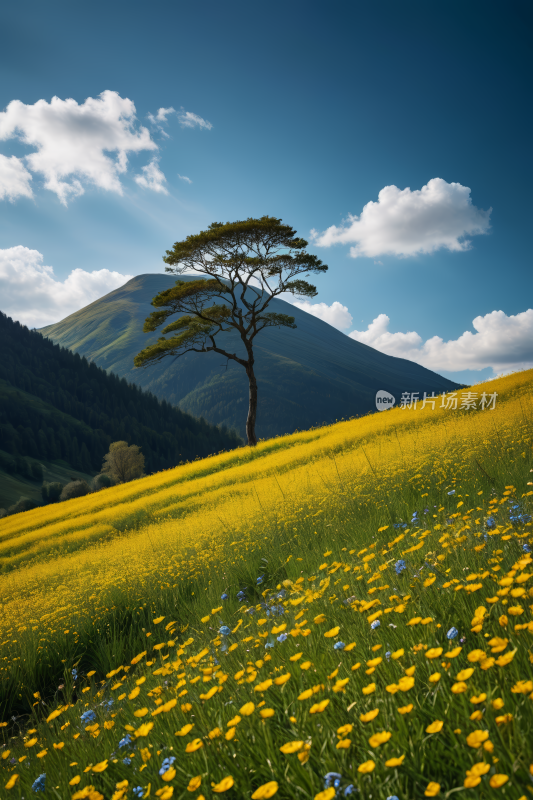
(303, 111)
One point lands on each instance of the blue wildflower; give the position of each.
(491, 522)
(282, 637)
(349, 790)
(125, 741)
(260, 580)
(167, 763)
(392, 797)
(241, 596)
(126, 761)
(138, 791)
(336, 783)
(526, 548)
(400, 566)
(388, 655)
(224, 596)
(108, 703)
(224, 630)
(339, 646)
(375, 624)
(269, 644)
(251, 611)
(452, 491)
(224, 648)
(88, 716)
(452, 633)
(282, 594)
(38, 785)
(75, 674)
(330, 777)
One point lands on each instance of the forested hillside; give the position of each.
(54, 405)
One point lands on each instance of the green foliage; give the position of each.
(123, 463)
(102, 481)
(23, 504)
(74, 489)
(51, 492)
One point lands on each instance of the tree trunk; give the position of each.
(252, 407)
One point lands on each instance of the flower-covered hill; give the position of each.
(374, 637)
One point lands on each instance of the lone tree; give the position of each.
(231, 254)
(123, 463)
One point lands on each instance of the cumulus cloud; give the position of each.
(31, 294)
(14, 179)
(502, 342)
(73, 141)
(184, 178)
(336, 314)
(189, 120)
(152, 178)
(406, 223)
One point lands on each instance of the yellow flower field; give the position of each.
(343, 610)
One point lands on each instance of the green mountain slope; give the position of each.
(58, 409)
(307, 376)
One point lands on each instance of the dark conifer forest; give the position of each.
(55, 404)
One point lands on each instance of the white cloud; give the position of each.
(31, 294)
(189, 120)
(406, 223)
(14, 179)
(152, 178)
(184, 178)
(72, 141)
(336, 314)
(502, 342)
(160, 118)
(163, 113)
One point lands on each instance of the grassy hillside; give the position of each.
(309, 376)
(347, 604)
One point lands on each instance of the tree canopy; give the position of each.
(251, 260)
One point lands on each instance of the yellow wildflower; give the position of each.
(291, 747)
(193, 746)
(224, 785)
(266, 790)
(435, 727)
(379, 738)
(369, 716)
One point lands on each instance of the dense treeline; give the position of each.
(80, 409)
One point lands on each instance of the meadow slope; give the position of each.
(343, 610)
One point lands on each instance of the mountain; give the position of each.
(58, 409)
(308, 376)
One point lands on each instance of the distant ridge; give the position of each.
(306, 376)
